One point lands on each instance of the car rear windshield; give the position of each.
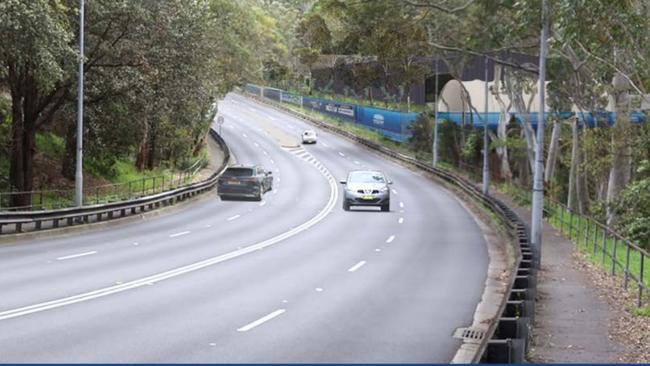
(238, 172)
(366, 177)
(309, 133)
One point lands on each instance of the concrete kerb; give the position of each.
(503, 254)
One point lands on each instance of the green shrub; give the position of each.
(50, 145)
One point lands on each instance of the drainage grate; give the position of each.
(469, 334)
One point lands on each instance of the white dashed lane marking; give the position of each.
(76, 255)
(342, 154)
(401, 220)
(261, 320)
(233, 217)
(390, 239)
(179, 234)
(356, 266)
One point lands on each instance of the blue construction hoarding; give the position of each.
(395, 125)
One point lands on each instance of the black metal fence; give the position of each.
(20, 221)
(107, 193)
(615, 253)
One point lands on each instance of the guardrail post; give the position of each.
(143, 186)
(96, 195)
(578, 228)
(570, 224)
(627, 263)
(595, 237)
(638, 302)
(153, 185)
(40, 201)
(614, 256)
(604, 247)
(587, 231)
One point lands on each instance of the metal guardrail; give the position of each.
(507, 338)
(22, 221)
(602, 241)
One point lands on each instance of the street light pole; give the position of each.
(434, 148)
(486, 150)
(80, 110)
(538, 183)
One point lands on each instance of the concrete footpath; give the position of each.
(572, 318)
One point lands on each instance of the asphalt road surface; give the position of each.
(293, 278)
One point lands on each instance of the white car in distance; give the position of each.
(309, 137)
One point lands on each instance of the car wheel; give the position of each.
(385, 207)
(260, 192)
(346, 205)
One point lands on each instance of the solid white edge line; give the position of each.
(356, 266)
(390, 239)
(76, 255)
(145, 281)
(179, 234)
(233, 217)
(261, 320)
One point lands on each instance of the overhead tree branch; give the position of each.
(439, 7)
(479, 54)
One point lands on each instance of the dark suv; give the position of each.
(245, 181)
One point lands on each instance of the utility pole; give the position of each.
(486, 150)
(538, 180)
(79, 180)
(434, 148)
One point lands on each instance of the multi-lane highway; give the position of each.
(292, 278)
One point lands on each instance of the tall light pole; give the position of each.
(434, 148)
(538, 182)
(79, 178)
(486, 150)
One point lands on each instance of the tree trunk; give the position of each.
(502, 127)
(151, 147)
(143, 150)
(551, 160)
(520, 107)
(582, 193)
(620, 171)
(68, 166)
(573, 171)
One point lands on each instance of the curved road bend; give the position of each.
(291, 279)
